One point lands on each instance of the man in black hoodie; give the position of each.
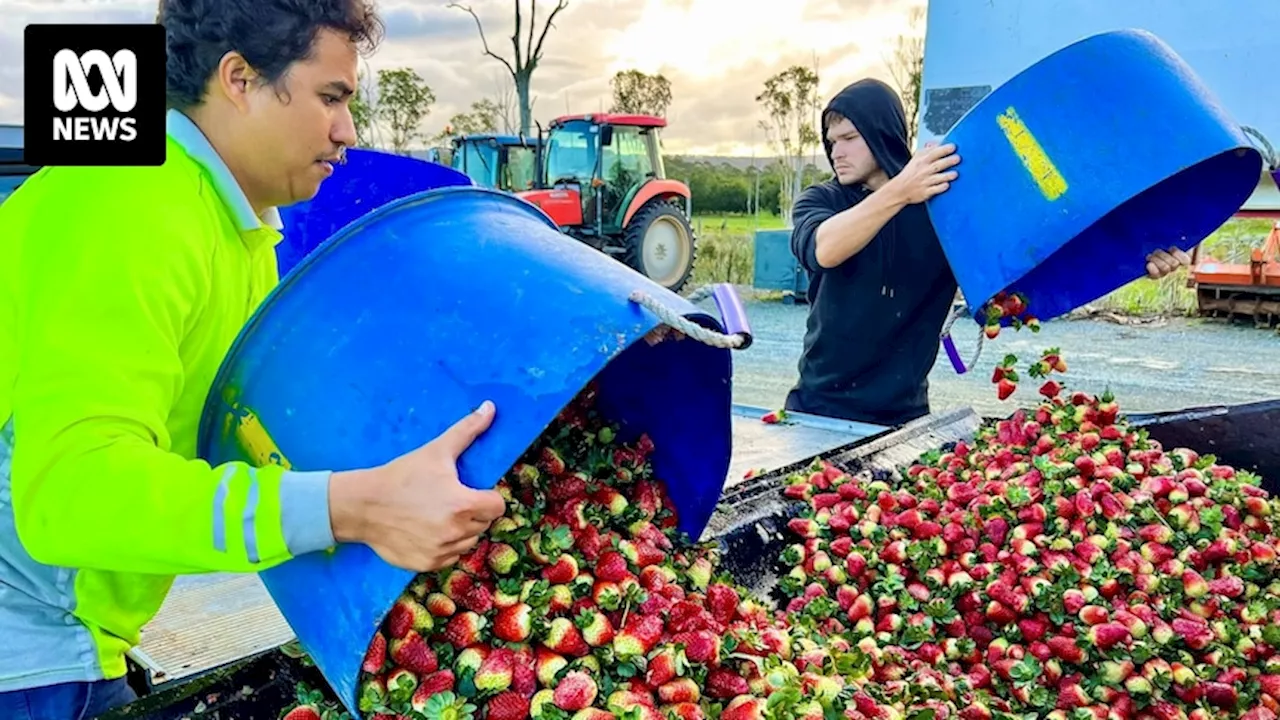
(880, 286)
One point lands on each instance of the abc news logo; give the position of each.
(71, 91)
(94, 95)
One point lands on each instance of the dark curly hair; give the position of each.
(270, 34)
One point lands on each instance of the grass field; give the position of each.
(726, 246)
(726, 255)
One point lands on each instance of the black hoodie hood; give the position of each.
(876, 111)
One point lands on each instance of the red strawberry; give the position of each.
(496, 670)
(744, 707)
(478, 599)
(437, 682)
(547, 665)
(804, 527)
(562, 571)
(722, 601)
(502, 558)
(439, 605)
(1065, 649)
(474, 562)
(303, 712)
(1196, 634)
(1228, 586)
(683, 711)
(664, 667)
(1107, 635)
(552, 462)
(683, 690)
(1270, 685)
(509, 705)
(464, 629)
(1093, 615)
(641, 553)
(408, 615)
(1005, 387)
(563, 638)
(612, 567)
(1193, 585)
(596, 629)
(1221, 695)
(376, 656)
(413, 653)
(725, 684)
(514, 624)
(607, 595)
(576, 691)
(700, 646)
(589, 542)
(638, 637)
(1033, 629)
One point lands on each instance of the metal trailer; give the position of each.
(219, 647)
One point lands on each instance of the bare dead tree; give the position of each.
(504, 98)
(906, 65)
(526, 58)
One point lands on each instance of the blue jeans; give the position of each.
(66, 701)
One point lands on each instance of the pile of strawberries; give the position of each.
(1063, 565)
(584, 603)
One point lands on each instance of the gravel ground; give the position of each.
(1168, 365)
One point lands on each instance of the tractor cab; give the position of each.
(505, 162)
(604, 183)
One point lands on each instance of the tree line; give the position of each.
(391, 107)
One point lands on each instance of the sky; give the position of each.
(725, 51)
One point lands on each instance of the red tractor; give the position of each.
(604, 184)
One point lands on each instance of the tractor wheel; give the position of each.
(660, 244)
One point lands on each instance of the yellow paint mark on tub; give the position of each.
(256, 441)
(1043, 172)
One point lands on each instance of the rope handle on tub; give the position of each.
(686, 326)
(950, 345)
(1269, 155)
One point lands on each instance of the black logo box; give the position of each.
(92, 142)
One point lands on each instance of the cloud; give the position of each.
(18, 14)
(715, 76)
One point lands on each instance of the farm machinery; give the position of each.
(1242, 289)
(604, 184)
(1249, 289)
(505, 162)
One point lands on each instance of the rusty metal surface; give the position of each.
(1258, 303)
(211, 620)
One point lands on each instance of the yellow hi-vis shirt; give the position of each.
(121, 290)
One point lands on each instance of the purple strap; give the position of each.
(732, 313)
(954, 354)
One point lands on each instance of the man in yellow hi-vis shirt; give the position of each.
(121, 289)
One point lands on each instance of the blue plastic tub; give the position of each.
(368, 180)
(404, 322)
(1076, 169)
